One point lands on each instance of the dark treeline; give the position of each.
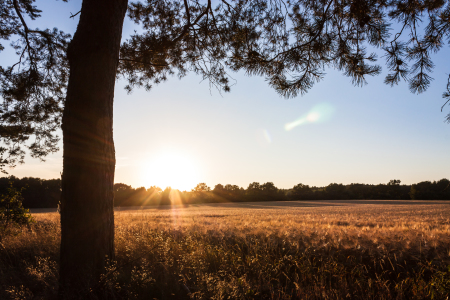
(36, 192)
(40, 193)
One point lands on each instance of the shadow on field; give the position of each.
(267, 205)
(312, 203)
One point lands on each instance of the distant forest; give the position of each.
(40, 193)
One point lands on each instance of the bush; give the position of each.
(12, 213)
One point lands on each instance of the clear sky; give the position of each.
(182, 132)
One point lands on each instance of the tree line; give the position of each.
(41, 193)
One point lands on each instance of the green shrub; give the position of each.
(12, 213)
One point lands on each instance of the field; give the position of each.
(265, 250)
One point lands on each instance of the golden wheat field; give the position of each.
(262, 250)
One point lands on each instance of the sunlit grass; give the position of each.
(241, 251)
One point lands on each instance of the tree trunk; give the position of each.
(87, 216)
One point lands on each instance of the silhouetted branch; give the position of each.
(189, 24)
(141, 62)
(74, 15)
(27, 30)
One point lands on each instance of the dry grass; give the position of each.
(291, 250)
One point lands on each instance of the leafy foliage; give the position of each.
(290, 43)
(32, 89)
(201, 187)
(12, 213)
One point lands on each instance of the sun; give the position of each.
(171, 169)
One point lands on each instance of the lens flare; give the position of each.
(312, 117)
(263, 137)
(318, 114)
(267, 136)
(175, 197)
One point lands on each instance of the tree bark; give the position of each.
(87, 216)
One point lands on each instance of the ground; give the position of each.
(259, 250)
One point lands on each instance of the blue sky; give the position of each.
(182, 132)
